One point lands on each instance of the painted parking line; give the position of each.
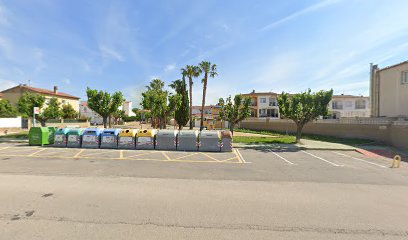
(78, 153)
(279, 156)
(34, 153)
(137, 155)
(110, 154)
(189, 155)
(166, 156)
(320, 158)
(240, 157)
(359, 159)
(205, 154)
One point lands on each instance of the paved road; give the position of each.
(74, 194)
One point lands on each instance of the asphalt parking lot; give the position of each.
(74, 193)
(241, 164)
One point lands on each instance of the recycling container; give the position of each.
(210, 141)
(109, 138)
(226, 141)
(60, 138)
(126, 139)
(187, 140)
(91, 138)
(74, 137)
(145, 139)
(51, 136)
(38, 136)
(166, 140)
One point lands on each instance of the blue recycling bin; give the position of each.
(91, 138)
(60, 138)
(109, 138)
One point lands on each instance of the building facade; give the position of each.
(127, 107)
(349, 106)
(264, 104)
(13, 95)
(86, 112)
(389, 90)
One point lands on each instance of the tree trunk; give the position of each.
(203, 103)
(299, 132)
(231, 128)
(105, 120)
(191, 102)
(110, 125)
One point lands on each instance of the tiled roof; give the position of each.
(395, 65)
(44, 91)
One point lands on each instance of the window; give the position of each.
(337, 105)
(404, 77)
(262, 112)
(348, 104)
(360, 104)
(262, 100)
(272, 102)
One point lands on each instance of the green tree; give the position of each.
(209, 70)
(236, 111)
(28, 101)
(103, 103)
(136, 111)
(52, 111)
(160, 103)
(7, 110)
(181, 113)
(304, 107)
(68, 112)
(191, 72)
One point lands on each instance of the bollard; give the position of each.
(396, 162)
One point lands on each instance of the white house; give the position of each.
(349, 106)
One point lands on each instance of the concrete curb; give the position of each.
(13, 140)
(291, 147)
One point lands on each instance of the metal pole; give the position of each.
(33, 116)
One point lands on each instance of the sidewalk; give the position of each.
(305, 144)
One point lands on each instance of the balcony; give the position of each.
(273, 104)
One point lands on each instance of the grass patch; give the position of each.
(281, 139)
(20, 135)
(347, 141)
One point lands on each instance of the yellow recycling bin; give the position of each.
(127, 139)
(145, 139)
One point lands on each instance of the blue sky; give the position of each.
(262, 45)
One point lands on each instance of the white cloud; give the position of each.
(169, 67)
(300, 13)
(110, 53)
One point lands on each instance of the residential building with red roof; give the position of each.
(13, 95)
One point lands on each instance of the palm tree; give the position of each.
(208, 70)
(191, 72)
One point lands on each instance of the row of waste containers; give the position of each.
(184, 140)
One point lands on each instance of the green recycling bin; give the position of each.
(38, 136)
(51, 136)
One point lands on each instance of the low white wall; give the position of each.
(10, 122)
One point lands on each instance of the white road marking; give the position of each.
(359, 159)
(242, 158)
(332, 163)
(279, 156)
